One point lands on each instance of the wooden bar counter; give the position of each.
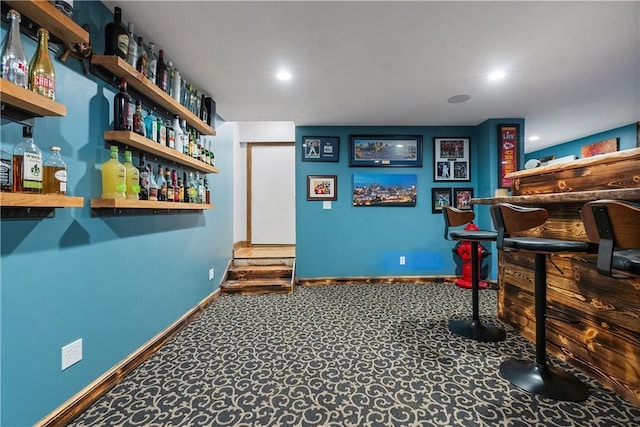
(605, 344)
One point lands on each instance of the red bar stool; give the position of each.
(537, 377)
(471, 328)
(615, 226)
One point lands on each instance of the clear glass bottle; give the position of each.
(138, 121)
(161, 182)
(27, 164)
(153, 185)
(162, 132)
(179, 134)
(176, 85)
(5, 169)
(185, 137)
(143, 58)
(169, 79)
(152, 63)
(132, 175)
(15, 67)
(132, 49)
(200, 187)
(116, 37)
(193, 189)
(114, 184)
(54, 180)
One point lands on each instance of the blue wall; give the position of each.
(348, 241)
(626, 134)
(114, 282)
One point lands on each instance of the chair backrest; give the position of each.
(508, 218)
(454, 217)
(612, 224)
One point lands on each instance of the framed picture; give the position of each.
(399, 151)
(462, 198)
(508, 153)
(451, 159)
(377, 189)
(320, 149)
(322, 187)
(602, 147)
(440, 197)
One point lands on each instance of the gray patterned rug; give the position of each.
(349, 355)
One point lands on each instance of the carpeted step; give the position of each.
(256, 287)
(260, 272)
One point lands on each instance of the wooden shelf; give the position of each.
(116, 207)
(28, 101)
(632, 194)
(26, 200)
(133, 139)
(46, 15)
(120, 68)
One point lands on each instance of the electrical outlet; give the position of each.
(71, 354)
(211, 273)
(402, 260)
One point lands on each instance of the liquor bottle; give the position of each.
(152, 63)
(151, 126)
(116, 38)
(143, 176)
(114, 184)
(138, 121)
(171, 135)
(132, 49)
(169, 79)
(200, 188)
(199, 145)
(132, 175)
(54, 180)
(143, 58)
(153, 186)
(162, 132)
(185, 189)
(180, 190)
(176, 85)
(207, 193)
(161, 73)
(185, 137)
(193, 190)
(65, 6)
(176, 186)
(179, 134)
(15, 67)
(161, 182)
(27, 164)
(42, 77)
(192, 144)
(171, 193)
(5, 169)
(122, 108)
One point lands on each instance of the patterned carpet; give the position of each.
(360, 355)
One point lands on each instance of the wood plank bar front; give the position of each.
(605, 344)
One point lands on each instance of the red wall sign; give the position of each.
(508, 137)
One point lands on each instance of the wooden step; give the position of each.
(260, 272)
(256, 287)
(240, 262)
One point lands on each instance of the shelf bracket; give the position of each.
(110, 212)
(15, 212)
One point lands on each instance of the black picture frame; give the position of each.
(451, 159)
(385, 151)
(462, 198)
(322, 187)
(440, 197)
(320, 149)
(384, 190)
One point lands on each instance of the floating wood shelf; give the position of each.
(120, 68)
(46, 15)
(24, 205)
(28, 101)
(135, 140)
(115, 207)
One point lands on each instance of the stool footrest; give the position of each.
(475, 330)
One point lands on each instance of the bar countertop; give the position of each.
(632, 194)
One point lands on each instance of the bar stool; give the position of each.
(537, 377)
(614, 224)
(471, 328)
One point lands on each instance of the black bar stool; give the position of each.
(537, 377)
(471, 328)
(614, 224)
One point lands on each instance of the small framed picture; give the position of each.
(440, 197)
(322, 187)
(462, 198)
(320, 149)
(451, 159)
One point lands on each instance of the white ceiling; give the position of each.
(573, 67)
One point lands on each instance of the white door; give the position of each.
(272, 208)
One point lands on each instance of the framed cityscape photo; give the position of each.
(384, 151)
(462, 198)
(440, 198)
(320, 149)
(451, 159)
(322, 187)
(385, 189)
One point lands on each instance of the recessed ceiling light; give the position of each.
(457, 99)
(283, 75)
(534, 138)
(497, 75)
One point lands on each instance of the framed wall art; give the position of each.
(451, 158)
(377, 189)
(508, 153)
(601, 147)
(440, 197)
(322, 187)
(462, 198)
(320, 149)
(381, 151)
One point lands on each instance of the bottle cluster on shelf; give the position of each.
(126, 181)
(37, 75)
(174, 134)
(121, 41)
(25, 171)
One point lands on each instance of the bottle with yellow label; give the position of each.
(42, 77)
(114, 184)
